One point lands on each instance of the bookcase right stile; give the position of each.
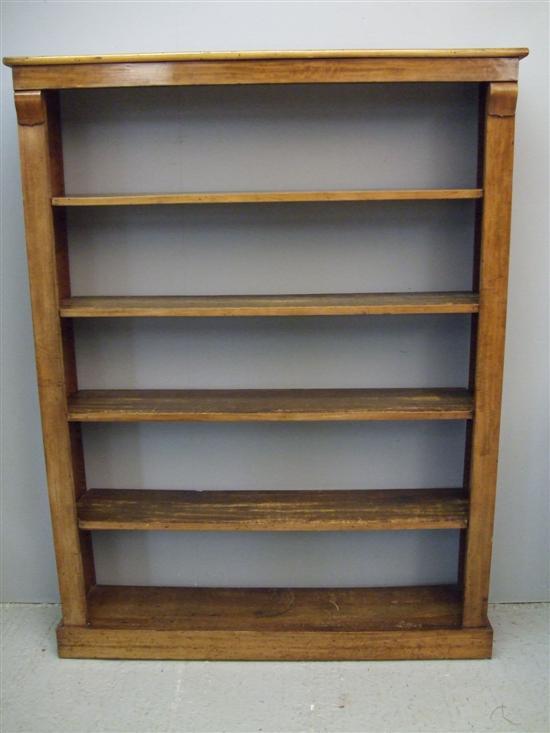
(497, 156)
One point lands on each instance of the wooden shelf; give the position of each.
(283, 511)
(217, 405)
(344, 304)
(257, 197)
(274, 623)
(251, 609)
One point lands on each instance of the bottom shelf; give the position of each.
(420, 622)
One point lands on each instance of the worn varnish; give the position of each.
(268, 305)
(78, 642)
(106, 622)
(47, 256)
(266, 71)
(498, 158)
(257, 511)
(253, 609)
(275, 624)
(362, 53)
(242, 405)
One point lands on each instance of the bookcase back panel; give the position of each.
(270, 138)
(248, 457)
(273, 353)
(295, 559)
(272, 248)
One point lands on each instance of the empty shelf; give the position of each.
(255, 511)
(217, 405)
(269, 305)
(253, 197)
(422, 622)
(255, 609)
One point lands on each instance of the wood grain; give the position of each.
(481, 114)
(302, 645)
(283, 511)
(42, 177)
(275, 609)
(495, 240)
(266, 197)
(502, 102)
(269, 405)
(30, 110)
(278, 624)
(251, 55)
(265, 71)
(345, 304)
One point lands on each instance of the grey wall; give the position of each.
(276, 138)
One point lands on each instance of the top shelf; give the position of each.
(251, 197)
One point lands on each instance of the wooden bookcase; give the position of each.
(428, 622)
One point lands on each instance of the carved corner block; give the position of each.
(502, 98)
(30, 108)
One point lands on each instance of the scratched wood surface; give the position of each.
(217, 405)
(274, 609)
(277, 624)
(257, 511)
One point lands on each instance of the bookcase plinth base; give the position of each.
(95, 643)
(133, 622)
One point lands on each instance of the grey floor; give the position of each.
(43, 693)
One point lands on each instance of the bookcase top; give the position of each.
(37, 73)
(413, 53)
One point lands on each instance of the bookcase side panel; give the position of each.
(493, 277)
(42, 177)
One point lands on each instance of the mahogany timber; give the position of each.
(255, 197)
(268, 305)
(279, 624)
(283, 511)
(493, 283)
(182, 623)
(218, 405)
(42, 177)
(81, 642)
(478, 207)
(251, 55)
(270, 71)
(239, 609)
